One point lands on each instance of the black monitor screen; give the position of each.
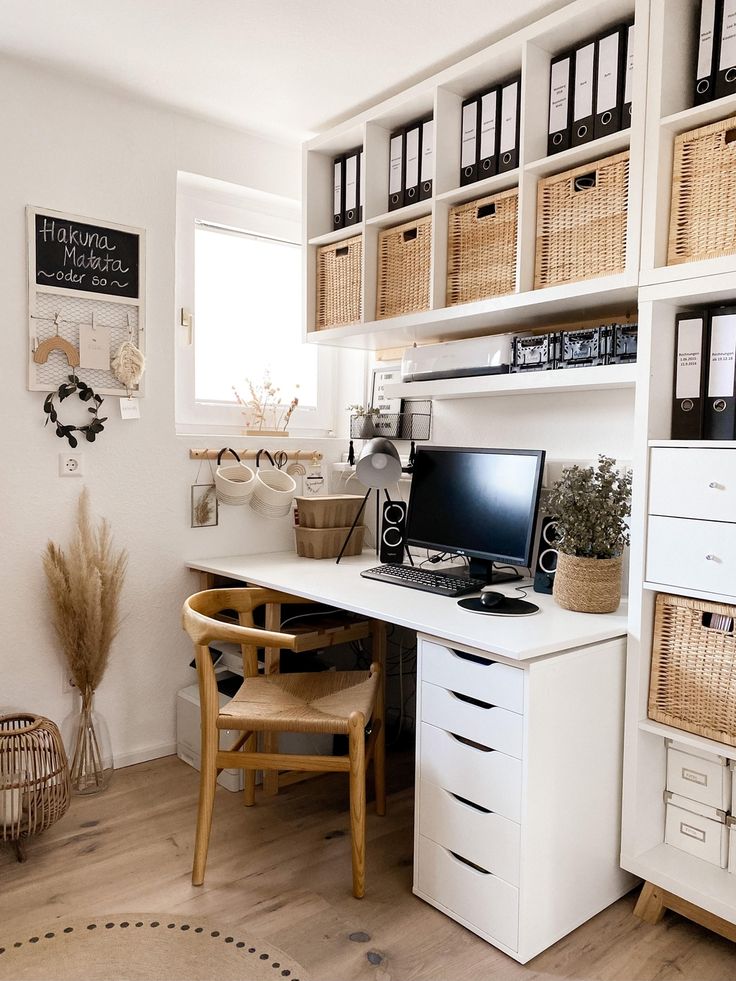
(478, 502)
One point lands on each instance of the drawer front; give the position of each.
(732, 849)
(470, 674)
(706, 781)
(479, 897)
(485, 838)
(486, 777)
(476, 720)
(692, 554)
(696, 835)
(693, 483)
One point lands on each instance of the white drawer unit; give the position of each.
(485, 838)
(702, 777)
(697, 830)
(693, 483)
(731, 825)
(473, 674)
(495, 727)
(690, 554)
(485, 902)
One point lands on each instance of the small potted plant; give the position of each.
(590, 506)
(362, 421)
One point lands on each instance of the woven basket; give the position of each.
(587, 585)
(325, 543)
(693, 678)
(339, 283)
(330, 511)
(581, 222)
(404, 260)
(481, 248)
(703, 194)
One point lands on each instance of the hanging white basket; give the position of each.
(274, 490)
(234, 482)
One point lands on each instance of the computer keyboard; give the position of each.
(440, 583)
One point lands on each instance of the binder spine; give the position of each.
(361, 183)
(396, 175)
(338, 193)
(583, 111)
(508, 131)
(426, 168)
(720, 403)
(726, 74)
(488, 156)
(470, 114)
(413, 154)
(351, 189)
(629, 34)
(609, 86)
(560, 103)
(709, 31)
(690, 370)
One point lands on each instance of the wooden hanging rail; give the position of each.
(294, 455)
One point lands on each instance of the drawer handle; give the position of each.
(470, 865)
(471, 743)
(715, 485)
(720, 622)
(464, 656)
(464, 800)
(471, 701)
(712, 558)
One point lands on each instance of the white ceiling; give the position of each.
(286, 68)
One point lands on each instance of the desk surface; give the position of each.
(552, 630)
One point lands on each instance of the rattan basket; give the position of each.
(339, 281)
(404, 260)
(693, 677)
(703, 194)
(481, 248)
(581, 222)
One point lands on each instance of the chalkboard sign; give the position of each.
(74, 255)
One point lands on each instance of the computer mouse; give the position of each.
(490, 598)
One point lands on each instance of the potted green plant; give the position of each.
(363, 427)
(590, 506)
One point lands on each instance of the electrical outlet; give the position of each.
(71, 464)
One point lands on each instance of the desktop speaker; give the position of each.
(393, 531)
(545, 564)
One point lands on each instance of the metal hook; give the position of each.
(56, 321)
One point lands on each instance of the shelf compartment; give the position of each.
(420, 209)
(688, 738)
(587, 153)
(697, 116)
(489, 185)
(337, 235)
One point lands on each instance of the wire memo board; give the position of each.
(100, 269)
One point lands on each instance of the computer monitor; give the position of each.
(481, 503)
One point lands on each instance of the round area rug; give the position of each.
(143, 947)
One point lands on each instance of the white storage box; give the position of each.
(699, 776)
(188, 736)
(696, 829)
(457, 359)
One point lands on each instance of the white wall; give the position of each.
(78, 149)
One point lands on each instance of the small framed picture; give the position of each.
(204, 506)
(385, 375)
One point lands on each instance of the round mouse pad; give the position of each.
(508, 608)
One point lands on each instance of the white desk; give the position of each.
(519, 749)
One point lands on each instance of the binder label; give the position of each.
(394, 183)
(728, 36)
(488, 105)
(705, 43)
(607, 73)
(583, 102)
(559, 94)
(470, 126)
(338, 187)
(427, 149)
(722, 373)
(351, 179)
(509, 102)
(689, 358)
(629, 80)
(412, 157)
(361, 182)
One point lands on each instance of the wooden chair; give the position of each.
(339, 702)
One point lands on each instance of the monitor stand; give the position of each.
(483, 569)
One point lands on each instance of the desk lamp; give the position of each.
(378, 467)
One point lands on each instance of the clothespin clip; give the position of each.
(56, 321)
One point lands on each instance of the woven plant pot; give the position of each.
(587, 585)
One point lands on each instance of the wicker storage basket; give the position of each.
(587, 585)
(330, 511)
(404, 258)
(339, 283)
(693, 678)
(581, 222)
(703, 193)
(325, 543)
(481, 248)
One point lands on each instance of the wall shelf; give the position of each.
(688, 739)
(605, 146)
(329, 238)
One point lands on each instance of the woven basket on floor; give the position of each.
(693, 678)
(587, 585)
(581, 222)
(339, 280)
(404, 268)
(481, 248)
(703, 194)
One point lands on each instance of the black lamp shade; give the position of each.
(379, 464)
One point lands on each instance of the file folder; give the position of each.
(508, 129)
(426, 167)
(351, 189)
(709, 32)
(560, 103)
(720, 403)
(361, 185)
(609, 75)
(469, 141)
(338, 193)
(396, 171)
(628, 77)
(412, 151)
(691, 369)
(726, 74)
(583, 118)
(488, 155)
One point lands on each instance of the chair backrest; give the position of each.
(200, 610)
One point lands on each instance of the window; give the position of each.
(239, 274)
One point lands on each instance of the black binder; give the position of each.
(508, 126)
(709, 32)
(412, 151)
(426, 167)
(470, 117)
(609, 82)
(488, 151)
(396, 171)
(338, 193)
(352, 189)
(583, 108)
(560, 103)
(691, 369)
(628, 77)
(361, 184)
(726, 74)
(720, 402)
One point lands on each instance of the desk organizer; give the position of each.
(330, 511)
(324, 523)
(481, 248)
(325, 543)
(581, 222)
(413, 422)
(339, 283)
(404, 260)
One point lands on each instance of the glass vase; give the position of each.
(87, 741)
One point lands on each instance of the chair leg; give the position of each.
(207, 785)
(356, 742)
(379, 715)
(249, 793)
